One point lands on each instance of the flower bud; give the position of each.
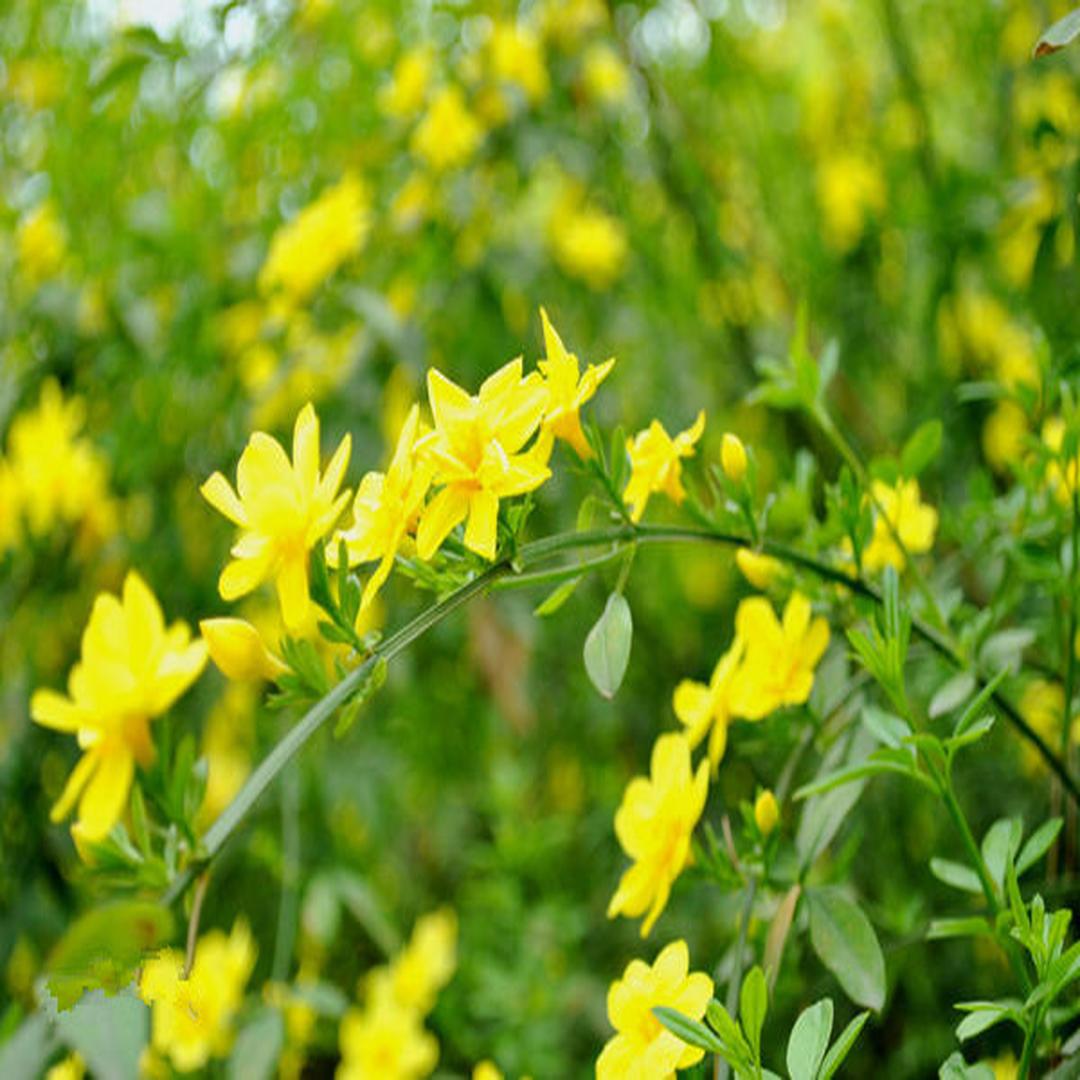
(760, 570)
(239, 651)
(733, 457)
(766, 812)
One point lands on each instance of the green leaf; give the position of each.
(109, 1033)
(921, 448)
(888, 727)
(956, 874)
(842, 1047)
(809, 1040)
(971, 734)
(24, 1055)
(139, 825)
(952, 694)
(103, 947)
(985, 1014)
(1005, 649)
(736, 1048)
(692, 1032)
(970, 926)
(556, 598)
(753, 1005)
(1000, 845)
(956, 1068)
(1060, 34)
(975, 706)
(847, 945)
(607, 648)
(1038, 844)
(258, 1047)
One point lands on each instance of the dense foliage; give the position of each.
(375, 704)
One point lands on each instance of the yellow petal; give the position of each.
(219, 494)
(74, 786)
(440, 516)
(335, 471)
(53, 710)
(143, 612)
(240, 577)
(306, 448)
(106, 794)
(450, 405)
(292, 590)
(239, 650)
(481, 532)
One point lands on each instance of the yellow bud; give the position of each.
(733, 457)
(766, 812)
(760, 570)
(239, 651)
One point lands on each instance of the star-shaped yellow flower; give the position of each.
(656, 463)
(642, 1048)
(386, 509)
(778, 666)
(567, 389)
(283, 509)
(131, 670)
(701, 708)
(475, 453)
(903, 514)
(654, 824)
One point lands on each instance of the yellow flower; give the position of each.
(778, 666)
(516, 56)
(41, 243)
(1003, 435)
(307, 250)
(655, 463)
(227, 744)
(760, 570)
(386, 509)
(132, 669)
(474, 449)
(851, 188)
(10, 507)
(193, 1018)
(642, 1048)
(487, 1070)
(654, 824)
(913, 521)
(449, 134)
(239, 650)
(604, 75)
(71, 1068)
(1042, 705)
(588, 244)
(403, 96)
(1062, 480)
(733, 458)
(283, 510)
(385, 1039)
(567, 389)
(700, 707)
(426, 964)
(766, 812)
(60, 477)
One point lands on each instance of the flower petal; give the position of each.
(106, 794)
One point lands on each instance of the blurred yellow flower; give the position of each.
(766, 812)
(283, 509)
(702, 708)
(588, 243)
(425, 965)
(385, 1038)
(758, 569)
(41, 243)
(604, 75)
(656, 463)
(238, 650)
(733, 457)
(131, 670)
(778, 666)
(850, 188)
(71, 1068)
(36, 82)
(304, 252)
(386, 509)
(568, 389)
(59, 476)
(901, 513)
(1060, 476)
(10, 507)
(516, 56)
(654, 824)
(642, 1047)
(192, 1018)
(487, 1070)
(403, 96)
(412, 202)
(1003, 435)
(227, 743)
(449, 134)
(474, 449)
(1042, 705)
(567, 21)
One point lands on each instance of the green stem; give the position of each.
(735, 982)
(290, 874)
(539, 551)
